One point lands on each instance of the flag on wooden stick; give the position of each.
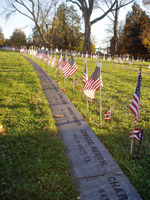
(53, 61)
(93, 84)
(63, 62)
(75, 81)
(107, 115)
(85, 76)
(70, 67)
(135, 103)
(60, 58)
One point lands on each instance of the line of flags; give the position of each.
(91, 85)
(68, 67)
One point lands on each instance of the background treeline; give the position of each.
(63, 31)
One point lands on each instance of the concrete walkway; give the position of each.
(93, 170)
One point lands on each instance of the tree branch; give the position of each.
(99, 18)
(123, 5)
(75, 3)
(16, 9)
(107, 15)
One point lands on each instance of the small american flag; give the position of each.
(93, 83)
(45, 56)
(70, 67)
(138, 135)
(60, 58)
(63, 62)
(58, 73)
(53, 61)
(85, 76)
(135, 103)
(75, 81)
(131, 62)
(122, 60)
(116, 59)
(107, 115)
(109, 58)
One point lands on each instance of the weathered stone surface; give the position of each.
(93, 169)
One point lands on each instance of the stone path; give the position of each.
(93, 170)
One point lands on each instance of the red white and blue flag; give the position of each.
(131, 62)
(53, 61)
(85, 76)
(70, 67)
(75, 81)
(138, 135)
(135, 103)
(58, 73)
(93, 84)
(63, 62)
(60, 58)
(107, 115)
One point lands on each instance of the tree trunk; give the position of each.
(87, 34)
(41, 35)
(114, 39)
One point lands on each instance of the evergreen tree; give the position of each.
(136, 22)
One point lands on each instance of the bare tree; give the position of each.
(36, 10)
(114, 21)
(146, 4)
(87, 6)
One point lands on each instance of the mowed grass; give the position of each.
(32, 164)
(119, 84)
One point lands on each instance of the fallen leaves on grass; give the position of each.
(77, 87)
(73, 98)
(58, 116)
(63, 90)
(9, 79)
(2, 129)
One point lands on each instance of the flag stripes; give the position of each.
(135, 104)
(85, 76)
(90, 87)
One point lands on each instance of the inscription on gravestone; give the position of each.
(62, 99)
(54, 88)
(94, 148)
(64, 115)
(76, 120)
(94, 171)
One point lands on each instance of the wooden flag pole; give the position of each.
(73, 81)
(100, 96)
(64, 76)
(138, 150)
(100, 108)
(132, 137)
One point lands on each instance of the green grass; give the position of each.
(32, 164)
(117, 92)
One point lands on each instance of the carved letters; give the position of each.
(94, 148)
(76, 120)
(116, 187)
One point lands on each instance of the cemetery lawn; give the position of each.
(119, 84)
(33, 164)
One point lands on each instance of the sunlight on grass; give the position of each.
(33, 163)
(117, 92)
